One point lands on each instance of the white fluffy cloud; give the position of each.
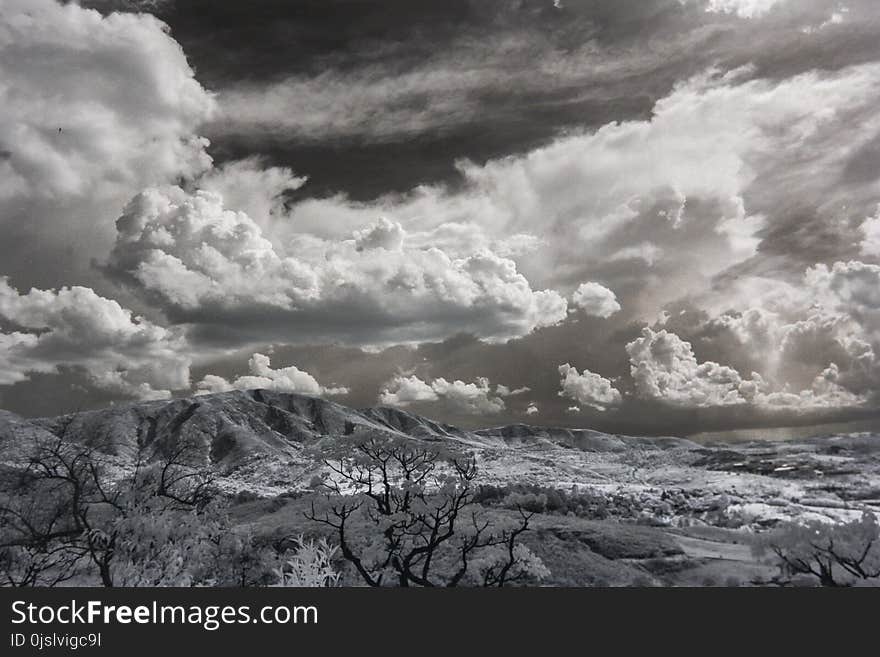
(870, 228)
(848, 296)
(136, 115)
(811, 344)
(851, 289)
(384, 234)
(588, 388)
(476, 398)
(405, 390)
(664, 368)
(251, 187)
(743, 8)
(596, 300)
(203, 261)
(74, 327)
(285, 379)
(94, 109)
(830, 320)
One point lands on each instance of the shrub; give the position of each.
(543, 499)
(310, 565)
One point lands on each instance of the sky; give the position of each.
(641, 216)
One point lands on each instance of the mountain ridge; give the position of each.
(269, 444)
(244, 432)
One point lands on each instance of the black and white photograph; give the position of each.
(439, 293)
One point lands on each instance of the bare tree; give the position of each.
(835, 554)
(404, 513)
(68, 508)
(35, 531)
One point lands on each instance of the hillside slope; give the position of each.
(258, 438)
(270, 443)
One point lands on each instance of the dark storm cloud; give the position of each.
(64, 391)
(357, 44)
(511, 74)
(375, 97)
(370, 97)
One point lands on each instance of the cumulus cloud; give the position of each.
(851, 289)
(75, 327)
(588, 388)
(405, 390)
(825, 393)
(848, 297)
(596, 300)
(796, 331)
(251, 187)
(262, 376)
(664, 368)
(505, 391)
(532, 409)
(205, 263)
(94, 109)
(475, 398)
(742, 8)
(807, 345)
(384, 234)
(870, 243)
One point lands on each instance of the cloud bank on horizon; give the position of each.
(666, 206)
